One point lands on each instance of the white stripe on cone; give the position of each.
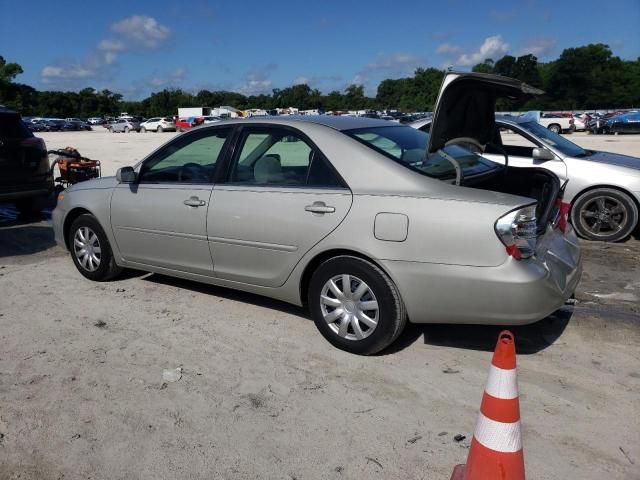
(498, 436)
(502, 383)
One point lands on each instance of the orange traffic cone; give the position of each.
(496, 448)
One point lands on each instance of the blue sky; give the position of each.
(136, 47)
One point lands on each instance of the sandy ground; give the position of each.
(263, 395)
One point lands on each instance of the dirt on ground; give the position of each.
(150, 377)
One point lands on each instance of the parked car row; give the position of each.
(615, 123)
(55, 124)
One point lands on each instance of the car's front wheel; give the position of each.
(159, 129)
(91, 251)
(555, 128)
(355, 305)
(143, 130)
(604, 214)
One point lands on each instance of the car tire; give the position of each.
(126, 129)
(143, 130)
(97, 265)
(339, 316)
(159, 129)
(604, 214)
(555, 128)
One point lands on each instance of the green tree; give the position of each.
(9, 71)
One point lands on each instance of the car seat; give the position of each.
(267, 169)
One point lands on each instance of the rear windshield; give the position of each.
(408, 147)
(12, 127)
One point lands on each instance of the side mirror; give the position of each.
(543, 154)
(126, 175)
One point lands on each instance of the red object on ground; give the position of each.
(496, 447)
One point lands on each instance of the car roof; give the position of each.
(331, 121)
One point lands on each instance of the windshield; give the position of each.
(554, 140)
(408, 147)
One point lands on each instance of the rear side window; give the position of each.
(408, 147)
(280, 157)
(11, 126)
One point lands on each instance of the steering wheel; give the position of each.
(191, 170)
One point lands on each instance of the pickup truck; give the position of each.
(556, 122)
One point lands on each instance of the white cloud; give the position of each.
(302, 80)
(258, 80)
(540, 47)
(108, 45)
(51, 73)
(142, 31)
(396, 63)
(171, 79)
(135, 34)
(493, 47)
(448, 49)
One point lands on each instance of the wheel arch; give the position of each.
(69, 219)
(322, 257)
(612, 187)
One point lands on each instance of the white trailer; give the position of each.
(195, 112)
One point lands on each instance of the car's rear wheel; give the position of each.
(91, 251)
(355, 305)
(159, 130)
(604, 214)
(126, 129)
(555, 128)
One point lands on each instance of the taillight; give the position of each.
(517, 230)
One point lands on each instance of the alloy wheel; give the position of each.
(349, 307)
(86, 247)
(604, 216)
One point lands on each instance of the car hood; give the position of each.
(103, 182)
(614, 159)
(465, 109)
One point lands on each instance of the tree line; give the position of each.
(581, 78)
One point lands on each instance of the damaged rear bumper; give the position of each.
(516, 292)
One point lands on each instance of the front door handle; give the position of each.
(194, 202)
(319, 207)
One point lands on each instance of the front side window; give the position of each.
(408, 146)
(190, 159)
(280, 157)
(554, 140)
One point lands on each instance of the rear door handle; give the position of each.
(194, 202)
(319, 207)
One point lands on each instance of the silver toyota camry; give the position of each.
(369, 224)
(603, 188)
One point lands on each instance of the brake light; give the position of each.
(517, 230)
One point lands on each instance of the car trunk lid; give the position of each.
(465, 109)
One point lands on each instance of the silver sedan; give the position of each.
(603, 188)
(369, 224)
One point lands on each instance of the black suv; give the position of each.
(25, 178)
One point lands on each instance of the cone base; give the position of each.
(458, 473)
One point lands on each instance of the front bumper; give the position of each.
(516, 292)
(57, 220)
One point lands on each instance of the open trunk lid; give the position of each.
(465, 109)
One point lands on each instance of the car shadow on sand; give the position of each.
(530, 338)
(229, 294)
(24, 234)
